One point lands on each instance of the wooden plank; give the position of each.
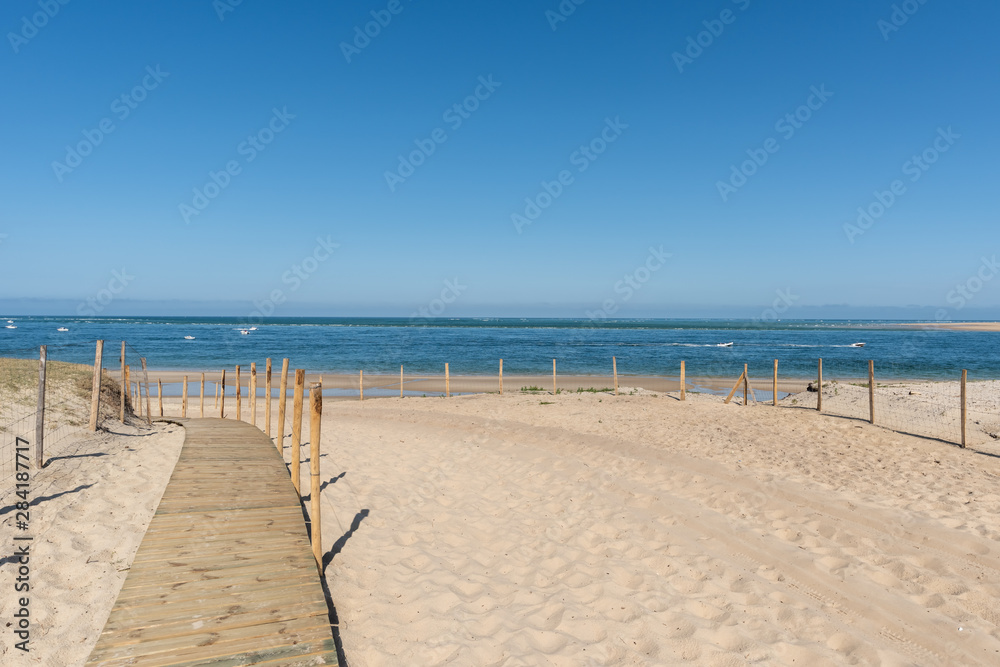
(247, 641)
(148, 598)
(193, 620)
(236, 579)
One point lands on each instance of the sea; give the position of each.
(474, 346)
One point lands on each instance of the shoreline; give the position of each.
(954, 326)
(381, 385)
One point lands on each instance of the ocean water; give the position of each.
(474, 346)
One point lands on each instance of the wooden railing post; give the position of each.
(95, 391)
(253, 393)
(819, 389)
(124, 385)
(871, 391)
(965, 414)
(279, 441)
(614, 369)
(300, 381)
(315, 424)
(401, 381)
(222, 395)
(553, 377)
(361, 384)
(447, 381)
(40, 414)
(774, 385)
(746, 386)
(683, 382)
(239, 396)
(267, 401)
(145, 381)
(501, 377)
(202, 395)
(159, 395)
(184, 398)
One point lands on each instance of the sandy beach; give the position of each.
(589, 529)
(89, 510)
(957, 326)
(595, 530)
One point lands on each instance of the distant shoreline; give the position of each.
(956, 326)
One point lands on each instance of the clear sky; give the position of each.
(739, 137)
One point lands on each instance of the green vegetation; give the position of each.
(20, 376)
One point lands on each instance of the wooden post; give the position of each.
(253, 393)
(127, 386)
(184, 398)
(315, 423)
(965, 414)
(159, 395)
(300, 381)
(361, 384)
(222, 395)
(401, 381)
(239, 396)
(746, 386)
(501, 377)
(871, 390)
(553, 377)
(121, 416)
(40, 414)
(447, 381)
(774, 385)
(614, 368)
(819, 389)
(95, 391)
(145, 381)
(267, 402)
(683, 382)
(279, 442)
(216, 407)
(202, 395)
(736, 386)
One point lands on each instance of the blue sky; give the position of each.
(203, 81)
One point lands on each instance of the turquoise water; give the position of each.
(474, 346)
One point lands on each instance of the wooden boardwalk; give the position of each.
(225, 574)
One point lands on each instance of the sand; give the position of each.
(89, 510)
(593, 530)
(956, 326)
(532, 529)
